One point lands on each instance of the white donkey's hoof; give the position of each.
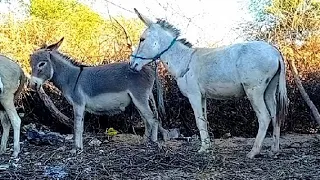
(273, 154)
(204, 149)
(2, 151)
(15, 154)
(252, 154)
(166, 136)
(275, 150)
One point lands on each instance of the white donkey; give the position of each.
(255, 69)
(12, 82)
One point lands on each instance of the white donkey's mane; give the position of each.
(173, 30)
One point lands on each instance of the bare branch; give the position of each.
(303, 92)
(129, 42)
(53, 109)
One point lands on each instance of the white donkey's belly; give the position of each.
(108, 103)
(223, 90)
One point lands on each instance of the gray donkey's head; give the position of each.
(42, 69)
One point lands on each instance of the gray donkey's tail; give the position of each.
(161, 107)
(162, 130)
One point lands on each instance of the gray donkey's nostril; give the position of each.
(133, 66)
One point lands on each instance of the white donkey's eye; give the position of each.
(142, 39)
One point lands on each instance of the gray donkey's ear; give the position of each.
(43, 46)
(143, 18)
(55, 46)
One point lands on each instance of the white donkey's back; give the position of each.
(224, 72)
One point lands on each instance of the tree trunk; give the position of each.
(303, 92)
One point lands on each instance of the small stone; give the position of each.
(4, 166)
(62, 148)
(174, 133)
(69, 137)
(87, 170)
(95, 142)
(226, 135)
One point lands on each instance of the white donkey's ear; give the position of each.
(143, 18)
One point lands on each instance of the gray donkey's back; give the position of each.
(113, 78)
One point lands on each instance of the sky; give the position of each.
(202, 22)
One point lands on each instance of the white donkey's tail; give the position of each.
(282, 97)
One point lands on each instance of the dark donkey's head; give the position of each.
(40, 62)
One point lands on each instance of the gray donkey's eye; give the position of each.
(41, 64)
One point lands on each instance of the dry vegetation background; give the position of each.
(93, 40)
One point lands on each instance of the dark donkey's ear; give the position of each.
(55, 45)
(43, 46)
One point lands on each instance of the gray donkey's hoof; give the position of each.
(76, 151)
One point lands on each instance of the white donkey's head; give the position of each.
(154, 41)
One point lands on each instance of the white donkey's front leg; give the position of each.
(78, 126)
(188, 87)
(15, 120)
(202, 123)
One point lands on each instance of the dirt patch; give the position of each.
(126, 158)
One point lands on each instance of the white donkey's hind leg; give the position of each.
(198, 108)
(5, 133)
(256, 97)
(270, 98)
(8, 105)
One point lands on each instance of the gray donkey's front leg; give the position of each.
(78, 126)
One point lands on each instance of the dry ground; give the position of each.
(124, 157)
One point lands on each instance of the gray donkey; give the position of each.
(12, 81)
(106, 89)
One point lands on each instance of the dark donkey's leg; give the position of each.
(78, 125)
(163, 131)
(140, 100)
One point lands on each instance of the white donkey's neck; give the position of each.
(177, 59)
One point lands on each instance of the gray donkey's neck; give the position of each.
(65, 73)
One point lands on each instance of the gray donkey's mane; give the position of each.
(71, 60)
(66, 57)
(176, 32)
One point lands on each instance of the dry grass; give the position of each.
(108, 42)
